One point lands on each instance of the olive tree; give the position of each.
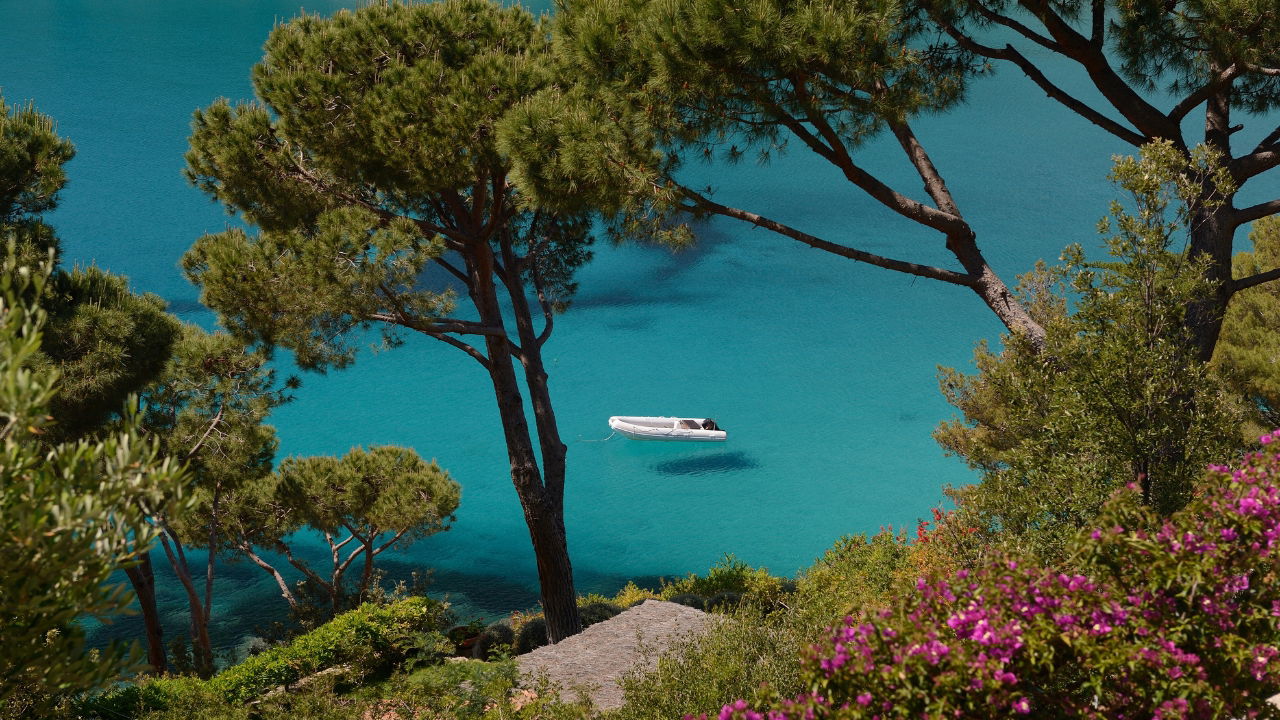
(71, 514)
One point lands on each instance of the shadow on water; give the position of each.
(705, 464)
(245, 601)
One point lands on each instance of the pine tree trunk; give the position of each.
(1213, 234)
(143, 579)
(541, 497)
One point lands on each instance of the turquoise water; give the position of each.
(822, 370)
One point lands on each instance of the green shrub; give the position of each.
(532, 635)
(724, 601)
(690, 600)
(595, 612)
(728, 574)
(739, 651)
(490, 638)
(631, 595)
(367, 638)
(856, 573)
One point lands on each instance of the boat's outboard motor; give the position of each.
(709, 424)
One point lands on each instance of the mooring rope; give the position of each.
(615, 432)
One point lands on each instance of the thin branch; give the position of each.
(1124, 99)
(1273, 72)
(1270, 140)
(1010, 54)
(444, 325)
(390, 542)
(547, 315)
(1017, 27)
(453, 270)
(452, 237)
(1255, 163)
(1219, 81)
(1097, 35)
(910, 268)
(343, 544)
(464, 347)
(217, 419)
(285, 592)
(911, 209)
(303, 567)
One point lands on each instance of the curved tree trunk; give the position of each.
(143, 579)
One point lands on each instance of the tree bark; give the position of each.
(202, 647)
(540, 497)
(285, 592)
(143, 579)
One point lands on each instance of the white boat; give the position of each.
(668, 428)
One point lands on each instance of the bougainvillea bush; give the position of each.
(1174, 617)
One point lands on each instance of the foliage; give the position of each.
(105, 341)
(1118, 394)
(71, 514)
(31, 174)
(728, 574)
(595, 612)
(369, 158)
(669, 82)
(731, 659)
(631, 595)
(491, 641)
(1249, 347)
(531, 635)
(379, 498)
(365, 639)
(1166, 617)
(854, 573)
(761, 640)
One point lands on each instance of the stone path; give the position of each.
(595, 658)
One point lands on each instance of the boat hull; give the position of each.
(664, 429)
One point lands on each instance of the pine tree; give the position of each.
(369, 157)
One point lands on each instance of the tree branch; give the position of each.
(1253, 280)
(1010, 54)
(1256, 212)
(1273, 72)
(1123, 99)
(1255, 163)
(1219, 81)
(217, 419)
(934, 185)
(301, 566)
(390, 542)
(835, 152)
(1017, 27)
(285, 592)
(910, 268)
(452, 237)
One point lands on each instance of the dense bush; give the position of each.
(366, 639)
(689, 600)
(595, 612)
(490, 638)
(531, 636)
(761, 640)
(738, 653)
(728, 574)
(1176, 617)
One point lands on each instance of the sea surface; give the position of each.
(822, 370)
